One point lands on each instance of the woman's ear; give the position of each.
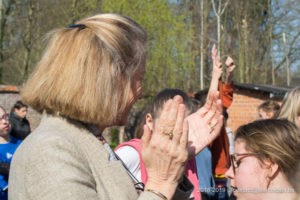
(149, 121)
(271, 168)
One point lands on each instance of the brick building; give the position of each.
(246, 99)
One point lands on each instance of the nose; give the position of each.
(229, 173)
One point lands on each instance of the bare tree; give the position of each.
(218, 14)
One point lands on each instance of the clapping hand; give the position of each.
(205, 124)
(164, 151)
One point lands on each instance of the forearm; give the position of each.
(214, 84)
(228, 79)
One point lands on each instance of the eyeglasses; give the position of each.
(235, 161)
(4, 116)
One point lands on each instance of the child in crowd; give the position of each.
(20, 127)
(268, 110)
(8, 146)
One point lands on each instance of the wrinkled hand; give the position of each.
(200, 132)
(230, 66)
(165, 158)
(217, 65)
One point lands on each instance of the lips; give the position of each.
(234, 189)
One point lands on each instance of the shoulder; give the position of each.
(56, 136)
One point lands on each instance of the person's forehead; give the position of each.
(2, 112)
(240, 146)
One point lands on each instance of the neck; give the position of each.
(101, 128)
(280, 189)
(4, 139)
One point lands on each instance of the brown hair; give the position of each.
(85, 72)
(166, 94)
(274, 139)
(270, 106)
(157, 104)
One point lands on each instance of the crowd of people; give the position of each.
(88, 79)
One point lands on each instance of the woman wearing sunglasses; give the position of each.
(266, 153)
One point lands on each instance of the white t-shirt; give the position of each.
(231, 140)
(131, 159)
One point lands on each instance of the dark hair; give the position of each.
(18, 105)
(166, 94)
(201, 96)
(270, 106)
(157, 104)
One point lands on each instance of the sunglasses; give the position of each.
(236, 159)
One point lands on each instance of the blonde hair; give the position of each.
(85, 72)
(274, 139)
(290, 108)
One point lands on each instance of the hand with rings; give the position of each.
(164, 150)
(205, 124)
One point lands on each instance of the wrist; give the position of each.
(165, 188)
(216, 78)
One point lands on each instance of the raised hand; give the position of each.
(164, 151)
(205, 124)
(230, 66)
(217, 65)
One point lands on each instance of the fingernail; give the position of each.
(178, 99)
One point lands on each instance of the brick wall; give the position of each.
(244, 107)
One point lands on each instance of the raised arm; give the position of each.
(217, 69)
(230, 66)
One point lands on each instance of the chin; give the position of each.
(121, 122)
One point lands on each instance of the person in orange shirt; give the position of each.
(220, 146)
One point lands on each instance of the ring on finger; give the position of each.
(170, 134)
(211, 128)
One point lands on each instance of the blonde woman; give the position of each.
(266, 155)
(290, 108)
(87, 80)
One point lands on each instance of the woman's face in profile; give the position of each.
(249, 176)
(135, 93)
(21, 112)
